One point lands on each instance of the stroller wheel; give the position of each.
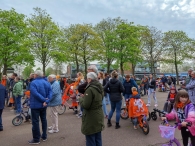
(17, 120)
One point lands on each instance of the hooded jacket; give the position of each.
(93, 117)
(114, 87)
(128, 85)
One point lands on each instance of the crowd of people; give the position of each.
(93, 94)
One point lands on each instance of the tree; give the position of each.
(13, 33)
(127, 44)
(49, 71)
(83, 44)
(107, 32)
(43, 37)
(178, 48)
(27, 71)
(153, 47)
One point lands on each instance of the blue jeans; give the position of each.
(18, 104)
(104, 106)
(134, 120)
(117, 106)
(1, 125)
(94, 139)
(151, 91)
(127, 96)
(107, 98)
(36, 113)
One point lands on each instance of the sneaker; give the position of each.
(135, 127)
(44, 139)
(33, 142)
(53, 131)
(155, 105)
(148, 104)
(50, 128)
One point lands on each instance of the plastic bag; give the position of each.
(167, 132)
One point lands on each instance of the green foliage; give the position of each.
(127, 44)
(83, 44)
(152, 46)
(178, 48)
(27, 71)
(107, 32)
(43, 38)
(13, 32)
(49, 71)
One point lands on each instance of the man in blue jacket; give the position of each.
(40, 95)
(3, 95)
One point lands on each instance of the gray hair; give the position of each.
(39, 73)
(190, 69)
(52, 76)
(94, 68)
(92, 75)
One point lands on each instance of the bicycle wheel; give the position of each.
(17, 120)
(148, 116)
(154, 116)
(61, 109)
(173, 142)
(145, 128)
(124, 113)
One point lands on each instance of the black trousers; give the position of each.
(185, 135)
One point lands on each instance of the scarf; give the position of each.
(4, 82)
(134, 93)
(182, 105)
(172, 95)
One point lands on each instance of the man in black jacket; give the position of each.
(152, 90)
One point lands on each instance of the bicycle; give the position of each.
(125, 115)
(142, 119)
(19, 118)
(154, 114)
(167, 131)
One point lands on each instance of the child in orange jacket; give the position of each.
(137, 108)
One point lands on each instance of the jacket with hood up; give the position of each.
(114, 87)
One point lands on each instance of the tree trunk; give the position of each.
(133, 69)
(122, 70)
(176, 67)
(85, 63)
(108, 66)
(44, 68)
(77, 63)
(4, 69)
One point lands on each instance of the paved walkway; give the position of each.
(70, 134)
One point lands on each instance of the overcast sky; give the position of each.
(163, 14)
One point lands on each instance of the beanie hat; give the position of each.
(92, 75)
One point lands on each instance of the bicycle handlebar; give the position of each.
(189, 124)
(159, 111)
